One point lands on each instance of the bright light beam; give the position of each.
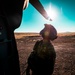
(52, 13)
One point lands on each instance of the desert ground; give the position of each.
(64, 46)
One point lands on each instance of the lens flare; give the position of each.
(52, 12)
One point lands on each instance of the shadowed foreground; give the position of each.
(65, 50)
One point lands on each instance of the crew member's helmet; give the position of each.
(49, 32)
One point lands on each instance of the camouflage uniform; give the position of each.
(40, 62)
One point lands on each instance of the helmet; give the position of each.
(49, 32)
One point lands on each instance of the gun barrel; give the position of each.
(40, 8)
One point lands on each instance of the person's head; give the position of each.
(49, 32)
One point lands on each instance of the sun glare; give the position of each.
(52, 12)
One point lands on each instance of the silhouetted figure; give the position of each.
(10, 19)
(42, 59)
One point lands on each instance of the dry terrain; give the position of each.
(64, 46)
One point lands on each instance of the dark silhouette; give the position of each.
(42, 59)
(10, 19)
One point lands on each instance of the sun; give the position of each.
(52, 12)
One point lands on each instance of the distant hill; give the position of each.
(66, 34)
(20, 35)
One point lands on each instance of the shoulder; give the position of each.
(36, 44)
(39, 41)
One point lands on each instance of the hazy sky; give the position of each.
(62, 13)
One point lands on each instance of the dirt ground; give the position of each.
(65, 53)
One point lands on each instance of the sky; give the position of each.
(62, 13)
